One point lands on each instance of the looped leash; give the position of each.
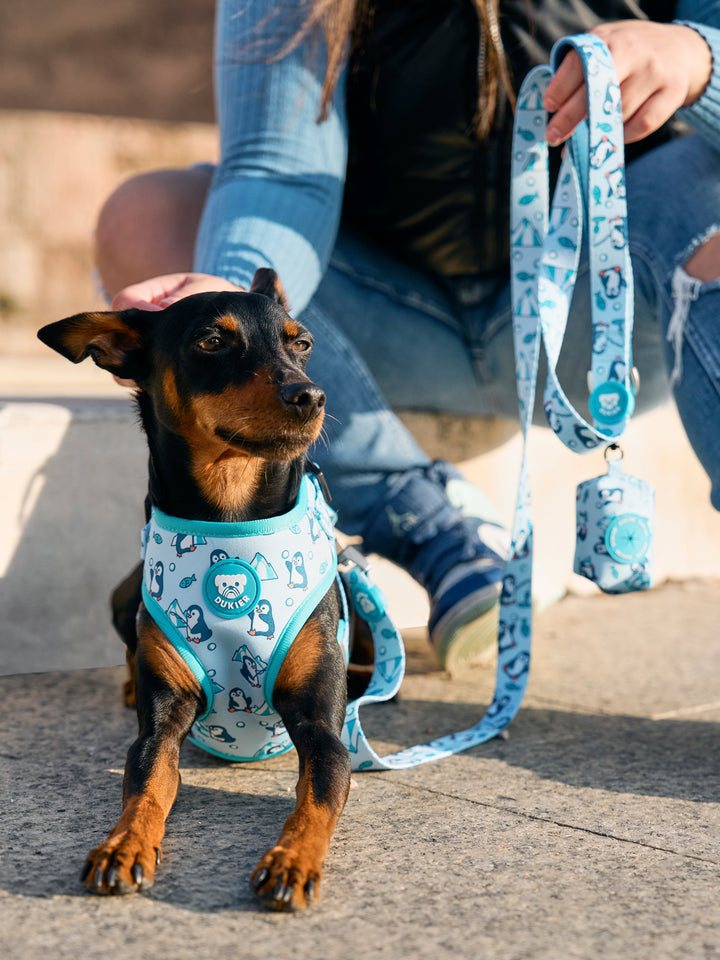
(545, 251)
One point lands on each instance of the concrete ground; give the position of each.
(592, 832)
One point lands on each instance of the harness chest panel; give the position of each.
(231, 598)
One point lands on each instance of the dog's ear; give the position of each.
(267, 282)
(113, 340)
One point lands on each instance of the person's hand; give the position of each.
(660, 66)
(159, 292)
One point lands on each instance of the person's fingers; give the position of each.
(149, 291)
(650, 116)
(564, 121)
(567, 80)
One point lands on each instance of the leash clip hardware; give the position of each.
(613, 448)
(350, 556)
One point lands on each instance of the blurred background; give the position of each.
(90, 93)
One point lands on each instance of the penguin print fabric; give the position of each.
(231, 598)
(615, 514)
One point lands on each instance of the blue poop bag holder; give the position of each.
(614, 524)
(615, 510)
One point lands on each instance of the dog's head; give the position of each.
(219, 369)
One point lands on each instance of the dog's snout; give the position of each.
(303, 399)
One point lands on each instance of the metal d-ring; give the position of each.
(614, 448)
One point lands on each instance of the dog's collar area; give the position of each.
(310, 492)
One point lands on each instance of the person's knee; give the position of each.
(147, 226)
(692, 281)
(704, 264)
(120, 220)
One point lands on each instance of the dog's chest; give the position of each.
(231, 599)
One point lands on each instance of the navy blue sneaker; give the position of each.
(464, 609)
(424, 526)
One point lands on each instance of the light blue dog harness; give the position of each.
(231, 598)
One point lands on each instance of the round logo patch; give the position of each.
(611, 402)
(231, 588)
(627, 538)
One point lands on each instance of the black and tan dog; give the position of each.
(229, 413)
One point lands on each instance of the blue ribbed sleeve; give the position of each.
(704, 115)
(277, 194)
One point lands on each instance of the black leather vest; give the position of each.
(419, 181)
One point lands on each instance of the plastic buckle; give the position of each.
(351, 556)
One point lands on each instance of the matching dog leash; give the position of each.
(615, 510)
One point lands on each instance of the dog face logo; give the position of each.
(231, 588)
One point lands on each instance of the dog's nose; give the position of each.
(303, 399)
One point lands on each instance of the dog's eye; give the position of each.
(302, 346)
(211, 344)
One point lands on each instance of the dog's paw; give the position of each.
(284, 880)
(123, 864)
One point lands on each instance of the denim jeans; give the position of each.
(390, 338)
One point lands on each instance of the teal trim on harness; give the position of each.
(245, 528)
(224, 756)
(180, 644)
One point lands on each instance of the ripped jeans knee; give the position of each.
(700, 266)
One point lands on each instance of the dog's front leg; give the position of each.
(168, 701)
(310, 697)
(125, 603)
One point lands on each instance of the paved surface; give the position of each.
(594, 831)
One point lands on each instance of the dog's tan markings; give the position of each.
(292, 330)
(228, 476)
(231, 482)
(259, 413)
(162, 658)
(170, 393)
(228, 324)
(301, 660)
(297, 859)
(126, 860)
